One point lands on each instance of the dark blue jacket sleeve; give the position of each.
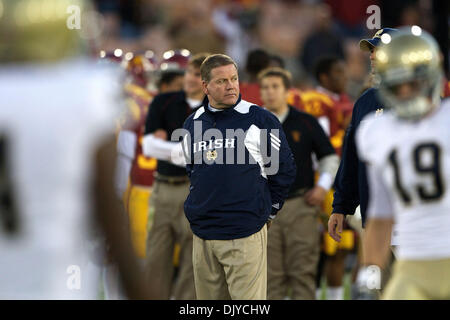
(281, 180)
(351, 187)
(346, 195)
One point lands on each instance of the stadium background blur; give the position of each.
(298, 31)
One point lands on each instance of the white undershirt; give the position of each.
(212, 109)
(193, 103)
(282, 117)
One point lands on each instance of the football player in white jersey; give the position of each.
(56, 158)
(407, 150)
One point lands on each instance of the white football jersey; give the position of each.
(54, 117)
(409, 179)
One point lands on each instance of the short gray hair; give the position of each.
(214, 61)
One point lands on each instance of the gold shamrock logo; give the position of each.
(211, 155)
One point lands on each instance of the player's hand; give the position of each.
(268, 224)
(335, 226)
(161, 134)
(315, 196)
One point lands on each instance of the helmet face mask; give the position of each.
(409, 69)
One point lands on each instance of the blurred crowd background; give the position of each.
(298, 31)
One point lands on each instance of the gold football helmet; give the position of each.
(43, 30)
(408, 64)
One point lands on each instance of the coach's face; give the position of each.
(223, 87)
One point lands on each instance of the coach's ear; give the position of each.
(205, 87)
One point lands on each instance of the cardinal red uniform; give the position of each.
(137, 196)
(330, 110)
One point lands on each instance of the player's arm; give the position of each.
(328, 164)
(113, 220)
(126, 147)
(380, 219)
(377, 239)
(346, 195)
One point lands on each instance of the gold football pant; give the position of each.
(419, 280)
(137, 200)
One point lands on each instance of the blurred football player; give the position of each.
(257, 60)
(141, 69)
(407, 152)
(175, 60)
(111, 57)
(58, 143)
(332, 106)
(328, 102)
(136, 171)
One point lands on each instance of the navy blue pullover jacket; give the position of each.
(351, 187)
(234, 200)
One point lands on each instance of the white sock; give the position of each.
(335, 293)
(318, 293)
(111, 283)
(92, 277)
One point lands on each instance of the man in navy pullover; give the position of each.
(351, 187)
(241, 169)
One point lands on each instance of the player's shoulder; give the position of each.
(439, 119)
(75, 93)
(377, 124)
(314, 95)
(374, 132)
(445, 107)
